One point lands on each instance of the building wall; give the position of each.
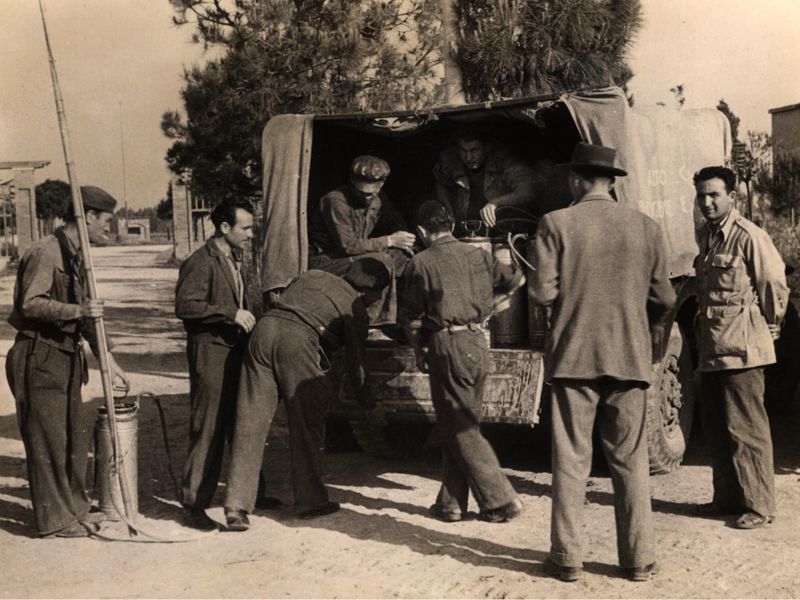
(786, 130)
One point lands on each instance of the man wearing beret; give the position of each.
(603, 267)
(358, 219)
(317, 314)
(46, 367)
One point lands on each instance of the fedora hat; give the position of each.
(595, 159)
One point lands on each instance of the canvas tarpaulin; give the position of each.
(660, 148)
(286, 154)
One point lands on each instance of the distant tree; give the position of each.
(513, 48)
(53, 198)
(292, 56)
(725, 109)
(678, 92)
(783, 186)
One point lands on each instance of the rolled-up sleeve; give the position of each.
(546, 259)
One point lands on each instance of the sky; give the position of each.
(120, 66)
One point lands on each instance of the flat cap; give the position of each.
(370, 168)
(96, 198)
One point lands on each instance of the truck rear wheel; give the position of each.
(394, 440)
(670, 405)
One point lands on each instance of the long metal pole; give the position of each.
(83, 237)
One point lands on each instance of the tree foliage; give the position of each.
(726, 110)
(292, 56)
(513, 48)
(53, 198)
(783, 186)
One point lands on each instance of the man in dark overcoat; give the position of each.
(211, 301)
(46, 367)
(448, 298)
(603, 267)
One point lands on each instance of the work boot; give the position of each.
(751, 520)
(503, 513)
(236, 519)
(566, 574)
(641, 573)
(196, 518)
(437, 511)
(76, 530)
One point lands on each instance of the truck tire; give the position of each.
(394, 440)
(670, 405)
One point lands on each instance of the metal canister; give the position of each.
(538, 315)
(107, 486)
(510, 321)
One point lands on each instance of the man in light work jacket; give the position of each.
(46, 368)
(603, 267)
(210, 299)
(742, 297)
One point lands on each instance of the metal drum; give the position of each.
(107, 488)
(538, 315)
(510, 321)
(485, 244)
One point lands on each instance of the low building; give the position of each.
(786, 130)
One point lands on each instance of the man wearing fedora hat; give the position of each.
(358, 220)
(603, 268)
(46, 367)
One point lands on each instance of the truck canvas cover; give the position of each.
(660, 147)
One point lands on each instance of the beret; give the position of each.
(370, 168)
(97, 199)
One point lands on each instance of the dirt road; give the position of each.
(382, 544)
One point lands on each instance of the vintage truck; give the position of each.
(304, 156)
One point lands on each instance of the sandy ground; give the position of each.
(381, 544)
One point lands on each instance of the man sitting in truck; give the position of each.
(358, 220)
(475, 177)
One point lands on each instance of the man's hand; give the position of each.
(119, 378)
(92, 309)
(402, 240)
(245, 320)
(488, 215)
(774, 331)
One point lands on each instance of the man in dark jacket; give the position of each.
(603, 267)
(211, 301)
(46, 367)
(316, 315)
(358, 220)
(448, 295)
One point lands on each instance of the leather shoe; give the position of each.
(76, 530)
(712, 510)
(751, 520)
(196, 518)
(566, 574)
(437, 511)
(641, 573)
(95, 517)
(236, 519)
(502, 514)
(268, 502)
(325, 509)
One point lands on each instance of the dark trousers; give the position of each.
(213, 384)
(384, 310)
(282, 361)
(737, 431)
(46, 383)
(621, 411)
(458, 365)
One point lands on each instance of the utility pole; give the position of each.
(452, 76)
(124, 178)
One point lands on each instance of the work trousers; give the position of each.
(459, 363)
(282, 362)
(46, 383)
(736, 429)
(213, 385)
(620, 408)
(384, 310)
